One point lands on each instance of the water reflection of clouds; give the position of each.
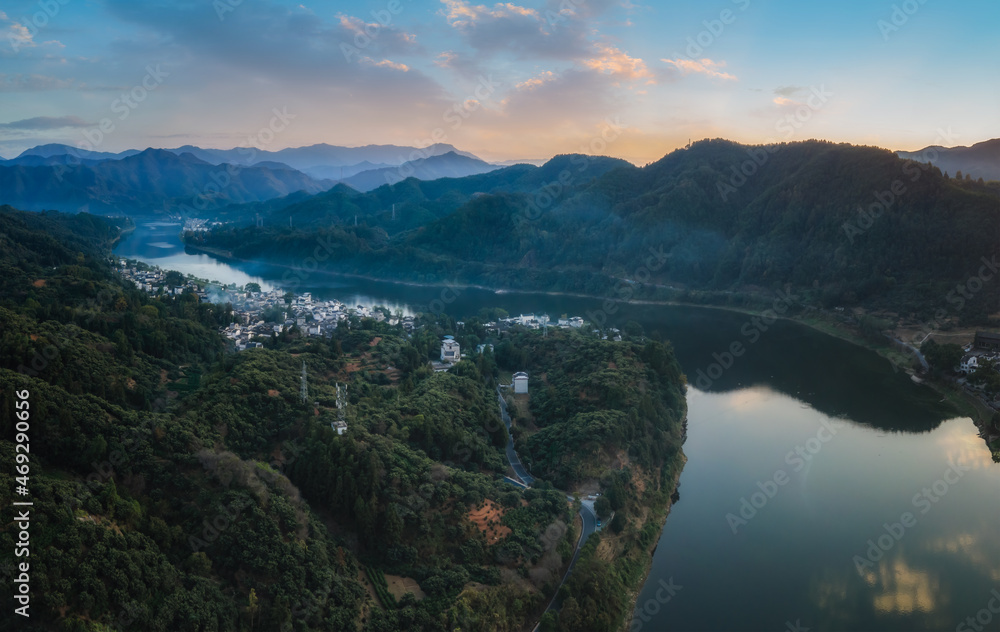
(748, 399)
(981, 551)
(894, 589)
(901, 589)
(962, 446)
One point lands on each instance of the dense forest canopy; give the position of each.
(843, 225)
(181, 486)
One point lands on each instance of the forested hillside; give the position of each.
(417, 202)
(180, 486)
(841, 225)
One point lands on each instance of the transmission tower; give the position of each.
(341, 400)
(305, 385)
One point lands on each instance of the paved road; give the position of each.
(587, 513)
(916, 351)
(589, 526)
(515, 462)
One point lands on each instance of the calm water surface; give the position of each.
(805, 454)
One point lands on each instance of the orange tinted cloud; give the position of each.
(612, 61)
(701, 66)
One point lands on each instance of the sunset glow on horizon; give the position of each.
(502, 80)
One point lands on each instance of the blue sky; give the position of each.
(503, 80)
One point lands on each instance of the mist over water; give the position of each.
(853, 442)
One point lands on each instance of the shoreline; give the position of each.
(633, 595)
(827, 323)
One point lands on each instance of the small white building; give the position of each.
(520, 382)
(339, 426)
(450, 351)
(969, 364)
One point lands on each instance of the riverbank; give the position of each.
(636, 590)
(755, 303)
(966, 403)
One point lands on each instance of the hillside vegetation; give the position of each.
(840, 225)
(180, 486)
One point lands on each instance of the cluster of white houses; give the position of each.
(985, 347)
(531, 321)
(154, 281)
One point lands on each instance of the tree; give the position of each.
(603, 507)
(942, 358)
(251, 287)
(252, 606)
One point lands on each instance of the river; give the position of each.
(823, 489)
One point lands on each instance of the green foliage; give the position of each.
(177, 487)
(678, 222)
(942, 358)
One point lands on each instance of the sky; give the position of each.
(506, 81)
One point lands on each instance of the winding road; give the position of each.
(515, 462)
(587, 514)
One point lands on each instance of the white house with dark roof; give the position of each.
(520, 382)
(450, 350)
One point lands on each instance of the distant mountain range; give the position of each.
(982, 160)
(449, 165)
(839, 225)
(148, 181)
(191, 180)
(412, 203)
(304, 159)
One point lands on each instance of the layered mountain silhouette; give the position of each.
(982, 160)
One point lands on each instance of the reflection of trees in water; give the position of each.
(835, 377)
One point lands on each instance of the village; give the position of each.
(979, 367)
(258, 314)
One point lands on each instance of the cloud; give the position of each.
(287, 52)
(39, 123)
(536, 81)
(387, 38)
(703, 67)
(385, 63)
(461, 15)
(522, 32)
(33, 83)
(15, 34)
(615, 62)
(787, 91)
